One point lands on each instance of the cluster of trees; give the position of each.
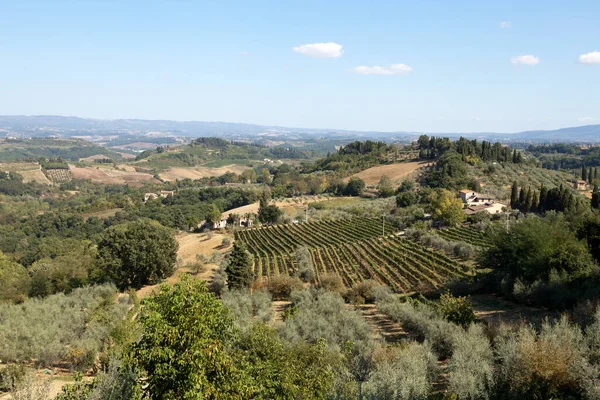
(555, 199)
(352, 157)
(566, 156)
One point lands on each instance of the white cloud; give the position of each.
(505, 24)
(590, 58)
(394, 69)
(586, 119)
(320, 50)
(525, 60)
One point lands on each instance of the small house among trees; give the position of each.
(580, 184)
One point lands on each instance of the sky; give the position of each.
(419, 66)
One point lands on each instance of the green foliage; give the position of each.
(14, 280)
(282, 286)
(458, 310)
(72, 327)
(536, 246)
(385, 187)
(355, 187)
(406, 199)
(447, 208)
(239, 268)
(321, 315)
(248, 307)
(405, 373)
(186, 332)
(304, 262)
(136, 254)
(269, 214)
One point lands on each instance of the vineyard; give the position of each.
(352, 248)
(59, 175)
(465, 234)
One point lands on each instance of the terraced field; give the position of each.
(465, 234)
(355, 249)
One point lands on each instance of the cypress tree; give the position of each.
(239, 270)
(522, 199)
(514, 196)
(583, 173)
(590, 176)
(535, 203)
(596, 198)
(528, 200)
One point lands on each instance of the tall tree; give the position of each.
(136, 254)
(239, 269)
(596, 198)
(447, 208)
(385, 187)
(583, 173)
(514, 196)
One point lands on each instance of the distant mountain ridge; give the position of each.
(46, 125)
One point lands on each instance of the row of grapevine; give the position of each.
(354, 249)
(466, 234)
(285, 239)
(58, 175)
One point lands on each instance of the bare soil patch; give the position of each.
(396, 172)
(199, 172)
(109, 175)
(391, 331)
(496, 310)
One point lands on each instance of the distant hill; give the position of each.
(51, 125)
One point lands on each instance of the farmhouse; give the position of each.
(580, 184)
(167, 193)
(477, 202)
(149, 196)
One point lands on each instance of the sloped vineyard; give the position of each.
(465, 234)
(352, 248)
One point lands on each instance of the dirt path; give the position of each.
(496, 310)
(391, 331)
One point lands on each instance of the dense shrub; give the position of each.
(458, 310)
(405, 373)
(321, 315)
(367, 291)
(332, 282)
(246, 306)
(282, 286)
(74, 326)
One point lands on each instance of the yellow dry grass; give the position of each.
(396, 172)
(28, 170)
(199, 172)
(109, 175)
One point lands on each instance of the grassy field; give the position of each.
(396, 172)
(30, 171)
(225, 163)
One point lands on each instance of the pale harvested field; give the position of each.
(298, 202)
(199, 172)
(109, 175)
(396, 172)
(28, 170)
(94, 158)
(191, 244)
(126, 167)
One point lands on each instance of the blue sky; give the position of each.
(427, 66)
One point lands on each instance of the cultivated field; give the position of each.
(396, 172)
(199, 172)
(109, 175)
(28, 170)
(59, 175)
(465, 234)
(352, 248)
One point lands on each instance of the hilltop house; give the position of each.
(477, 202)
(149, 196)
(580, 184)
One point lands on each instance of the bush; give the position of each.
(246, 306)
(408, 373)
(458, 310)
(12, 376)
(45, 329)
(218, 282)
(226, 242)
(321, 315)
(332, 283)
(549, 365)
(471, 368)
(282, 286)
(306, 269)
(367, 291)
